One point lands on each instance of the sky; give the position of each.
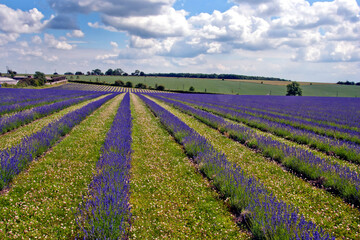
(299, 40)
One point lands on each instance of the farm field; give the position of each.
(96, 162)
(232, 86)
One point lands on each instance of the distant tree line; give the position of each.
(348, 83)
(109, 72)
(214, 76)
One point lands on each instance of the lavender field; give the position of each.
(86, 163)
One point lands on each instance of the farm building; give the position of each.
(8, 80)
(22, 77)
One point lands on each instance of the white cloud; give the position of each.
(169, 23)
(76, 34)
(106, 56)
(36, 39)
(18, 21)
(51, 41)
(6, 38)
(114, 44)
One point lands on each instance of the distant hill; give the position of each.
(214, 75)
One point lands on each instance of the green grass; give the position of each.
(229, 87)
(169, 198)
(14, 137)
(40, 201)
(324, 209)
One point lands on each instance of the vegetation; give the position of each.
(348, 83)
(240, 87)
(293, 89)
(213, 76)
(178, 158)
(320, 206)
(169, 199)
(41, 201)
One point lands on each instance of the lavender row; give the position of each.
(10, 96)
(340, 179)
(344, 149)
(343, 111)
(270, 218)
(347, 131)
(106, 212)
(15, 159)
(24, 117)
(46, 100)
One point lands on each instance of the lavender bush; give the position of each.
(17, 158)
(340, 178)
(342, 148)
(267, 217)
(24, 117)
(105, 214)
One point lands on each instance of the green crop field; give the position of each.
(103, 162)
(229, 86)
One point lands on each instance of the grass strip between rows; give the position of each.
(17, 158)
(169, 198)
(335, 177)
(45, 100)
(317, 205)
(14, 121)
(299, 133)
(266, 216)
(105, 214)
(41, 202)
(14, 137)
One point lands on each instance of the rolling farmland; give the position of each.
(229, 86)
(102, 162)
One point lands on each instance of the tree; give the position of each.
(128, 84)
(109, 72)
(68, 73)
(191, 89)
(293, 89)
(119, 83)
(79, 73)
(136, 73)
(118, 72)
(40, 77)
(160, 88)
(96, 72)
(140, 85)
(142, 74)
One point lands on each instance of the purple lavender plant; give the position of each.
(24, 117)
(340, 178)
(342, 148)
(106, 212)
(17, 158)
(267, 216)
(46, 98)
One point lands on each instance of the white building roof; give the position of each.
(7, 80)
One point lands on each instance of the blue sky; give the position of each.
(293, 39)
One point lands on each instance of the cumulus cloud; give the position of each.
(329, 52)
(36, 39)
(6, 38)
(18, 21)
(169, 23)
(114, 44)
(124, 8)
(64, 21)
(76, 34)
(51, 41)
